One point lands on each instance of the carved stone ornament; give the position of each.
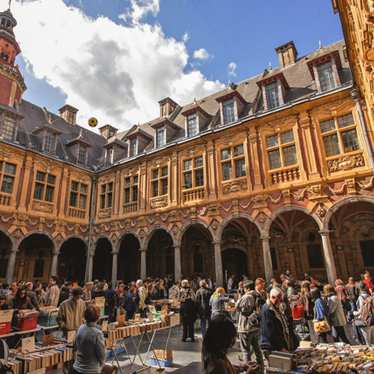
(260, 201)
(214, 224)
(346, 163)
(105, 213)
(235, 186)
(321, 211)
(42, 207)
(159, 202)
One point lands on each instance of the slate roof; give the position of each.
(34, 117)
(298, 77)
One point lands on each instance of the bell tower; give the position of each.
(12, 84)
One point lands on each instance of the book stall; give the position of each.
(324, 359)
(36, 359)
(134, 332)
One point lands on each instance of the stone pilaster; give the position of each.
(177, 263)
(11, 266)
(218, 263)
(114, 268)
(268, 265)
(329, 257)
(143, 263)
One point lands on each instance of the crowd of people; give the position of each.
(264, 317)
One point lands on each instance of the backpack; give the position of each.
(367, 311)
(252, 316)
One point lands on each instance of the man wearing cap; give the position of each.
(249, 324)
(71, 311)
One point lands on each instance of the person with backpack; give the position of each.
(248, 308)
(202, 301)
(336, 314)
(364, 316)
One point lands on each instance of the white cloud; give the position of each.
(201, 54)
(186, 37)
(231, 68)
(139, 9)
(114, 72)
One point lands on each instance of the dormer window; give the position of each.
(228, 109)
(326, 76)
(110, 155)
(82, 154)
(274, 89)
(192, 125)
(272, 97)
(8, 129)
(325, 70)
(133, 147)
(160, 137)
(49, 145)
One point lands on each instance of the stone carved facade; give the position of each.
(284, 218)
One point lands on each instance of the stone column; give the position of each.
(11, 266)
(328, 255)
(114, 268)
(268, 266)
(89, 266)
(143, 263)
(218, 263)
(177, 263)
(54, 263)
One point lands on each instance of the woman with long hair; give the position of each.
(217, 303)
(220, 336)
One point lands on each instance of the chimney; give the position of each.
(167, 106)
(69, 114)
(108, 131)
(287, 54)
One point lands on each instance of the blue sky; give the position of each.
(244, 32)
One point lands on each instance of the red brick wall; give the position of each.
(5, 90)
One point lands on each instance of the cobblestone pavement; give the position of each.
(186, 356)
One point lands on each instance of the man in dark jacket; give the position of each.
(248, 309)
(187, 310)
(202, 302)
(276, 333)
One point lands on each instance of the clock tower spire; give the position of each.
(12, 84)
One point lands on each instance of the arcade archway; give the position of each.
(5, 248)
(197, 252)
(352, 238)
(34, 258)
(129, 259)
(296, 245)
(241, 249)
(102, 262)
(72, 260)
(160, 254)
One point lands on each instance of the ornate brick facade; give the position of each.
(273, 174)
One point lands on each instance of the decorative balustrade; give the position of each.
(76, 213)
(194, 194)
(285, 175)
(4, 199)
(130, 207)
